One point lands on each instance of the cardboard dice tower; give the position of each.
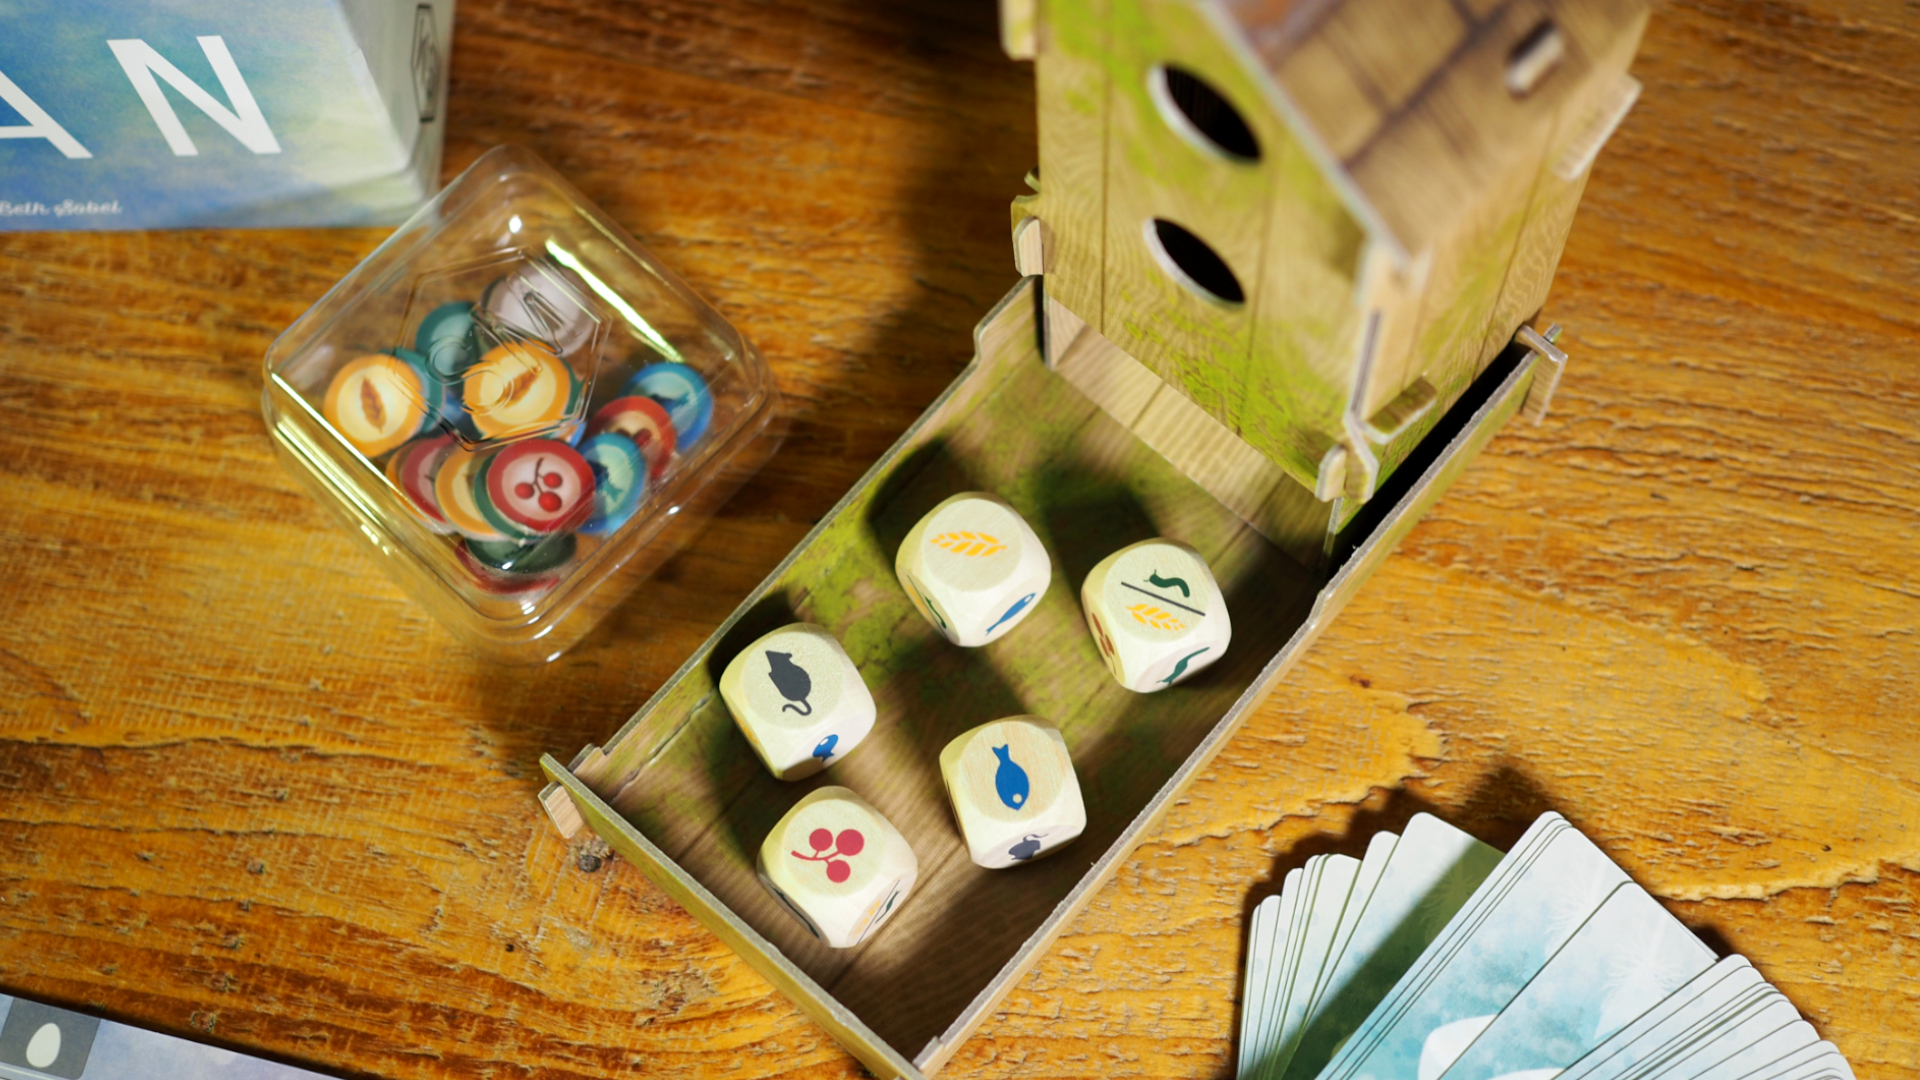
(1279, 276)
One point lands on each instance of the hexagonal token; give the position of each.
(509, 557)
(453, 493)
(518, 389)
(643, 420)
(619, 481)
(376, 402)
(682, 392)
(413, 469)
(538, 486)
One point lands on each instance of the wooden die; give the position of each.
(839, 866)
(799, 700)
(973, 568)
(1013, 790)
(1156, 613)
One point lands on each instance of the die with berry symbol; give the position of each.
(838, 866)
(1014, 792)
(1156, 613)
(973, 568)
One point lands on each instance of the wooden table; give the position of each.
(252, 794)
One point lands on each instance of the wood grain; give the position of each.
(249, 793)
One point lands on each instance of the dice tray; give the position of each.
(678, 792)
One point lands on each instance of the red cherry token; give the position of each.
(541, 485)
(643, 420)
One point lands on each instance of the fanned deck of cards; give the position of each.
(1436, 958)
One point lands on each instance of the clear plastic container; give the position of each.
(518, 407)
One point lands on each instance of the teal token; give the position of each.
(619, 481)
(443, 407)
(447, 341)
(508, 557)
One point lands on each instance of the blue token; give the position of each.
(682, 392)
(619, 481)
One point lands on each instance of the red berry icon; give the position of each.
(551, 479)
(549, 502)
(524, 490)
(832, 850)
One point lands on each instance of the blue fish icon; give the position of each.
(1010, 780)
(824, 751)
(1019, 606)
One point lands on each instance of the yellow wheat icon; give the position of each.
(1156, 618)
(968, 543)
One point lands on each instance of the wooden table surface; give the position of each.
(249, 792)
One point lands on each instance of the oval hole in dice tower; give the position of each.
(1193, 263)
(1192, 107)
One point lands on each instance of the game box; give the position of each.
(200, 113)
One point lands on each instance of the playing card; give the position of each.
(1623, 961)
(1432, 871)
(1322, 918)
(1668, 1021)
(1775, 1044)
(1414, 972)
(1372, 865)
(1253, 1040)
(1716, 1036)
(1821, 1061)
(1283, 974)
(1498, 947)
(1253, 990)
(1434, 958)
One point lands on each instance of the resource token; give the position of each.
(519, 388)
(413, 469)
(619, 481)
(682, 392)
(378, 401)
(453, 493)
(643, 420)
(535, 487)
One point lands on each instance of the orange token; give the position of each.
(376, 402)
(518, 388)
(453, 490)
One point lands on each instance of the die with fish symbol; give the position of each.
(1015, 795)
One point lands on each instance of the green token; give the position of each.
(512, 558)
